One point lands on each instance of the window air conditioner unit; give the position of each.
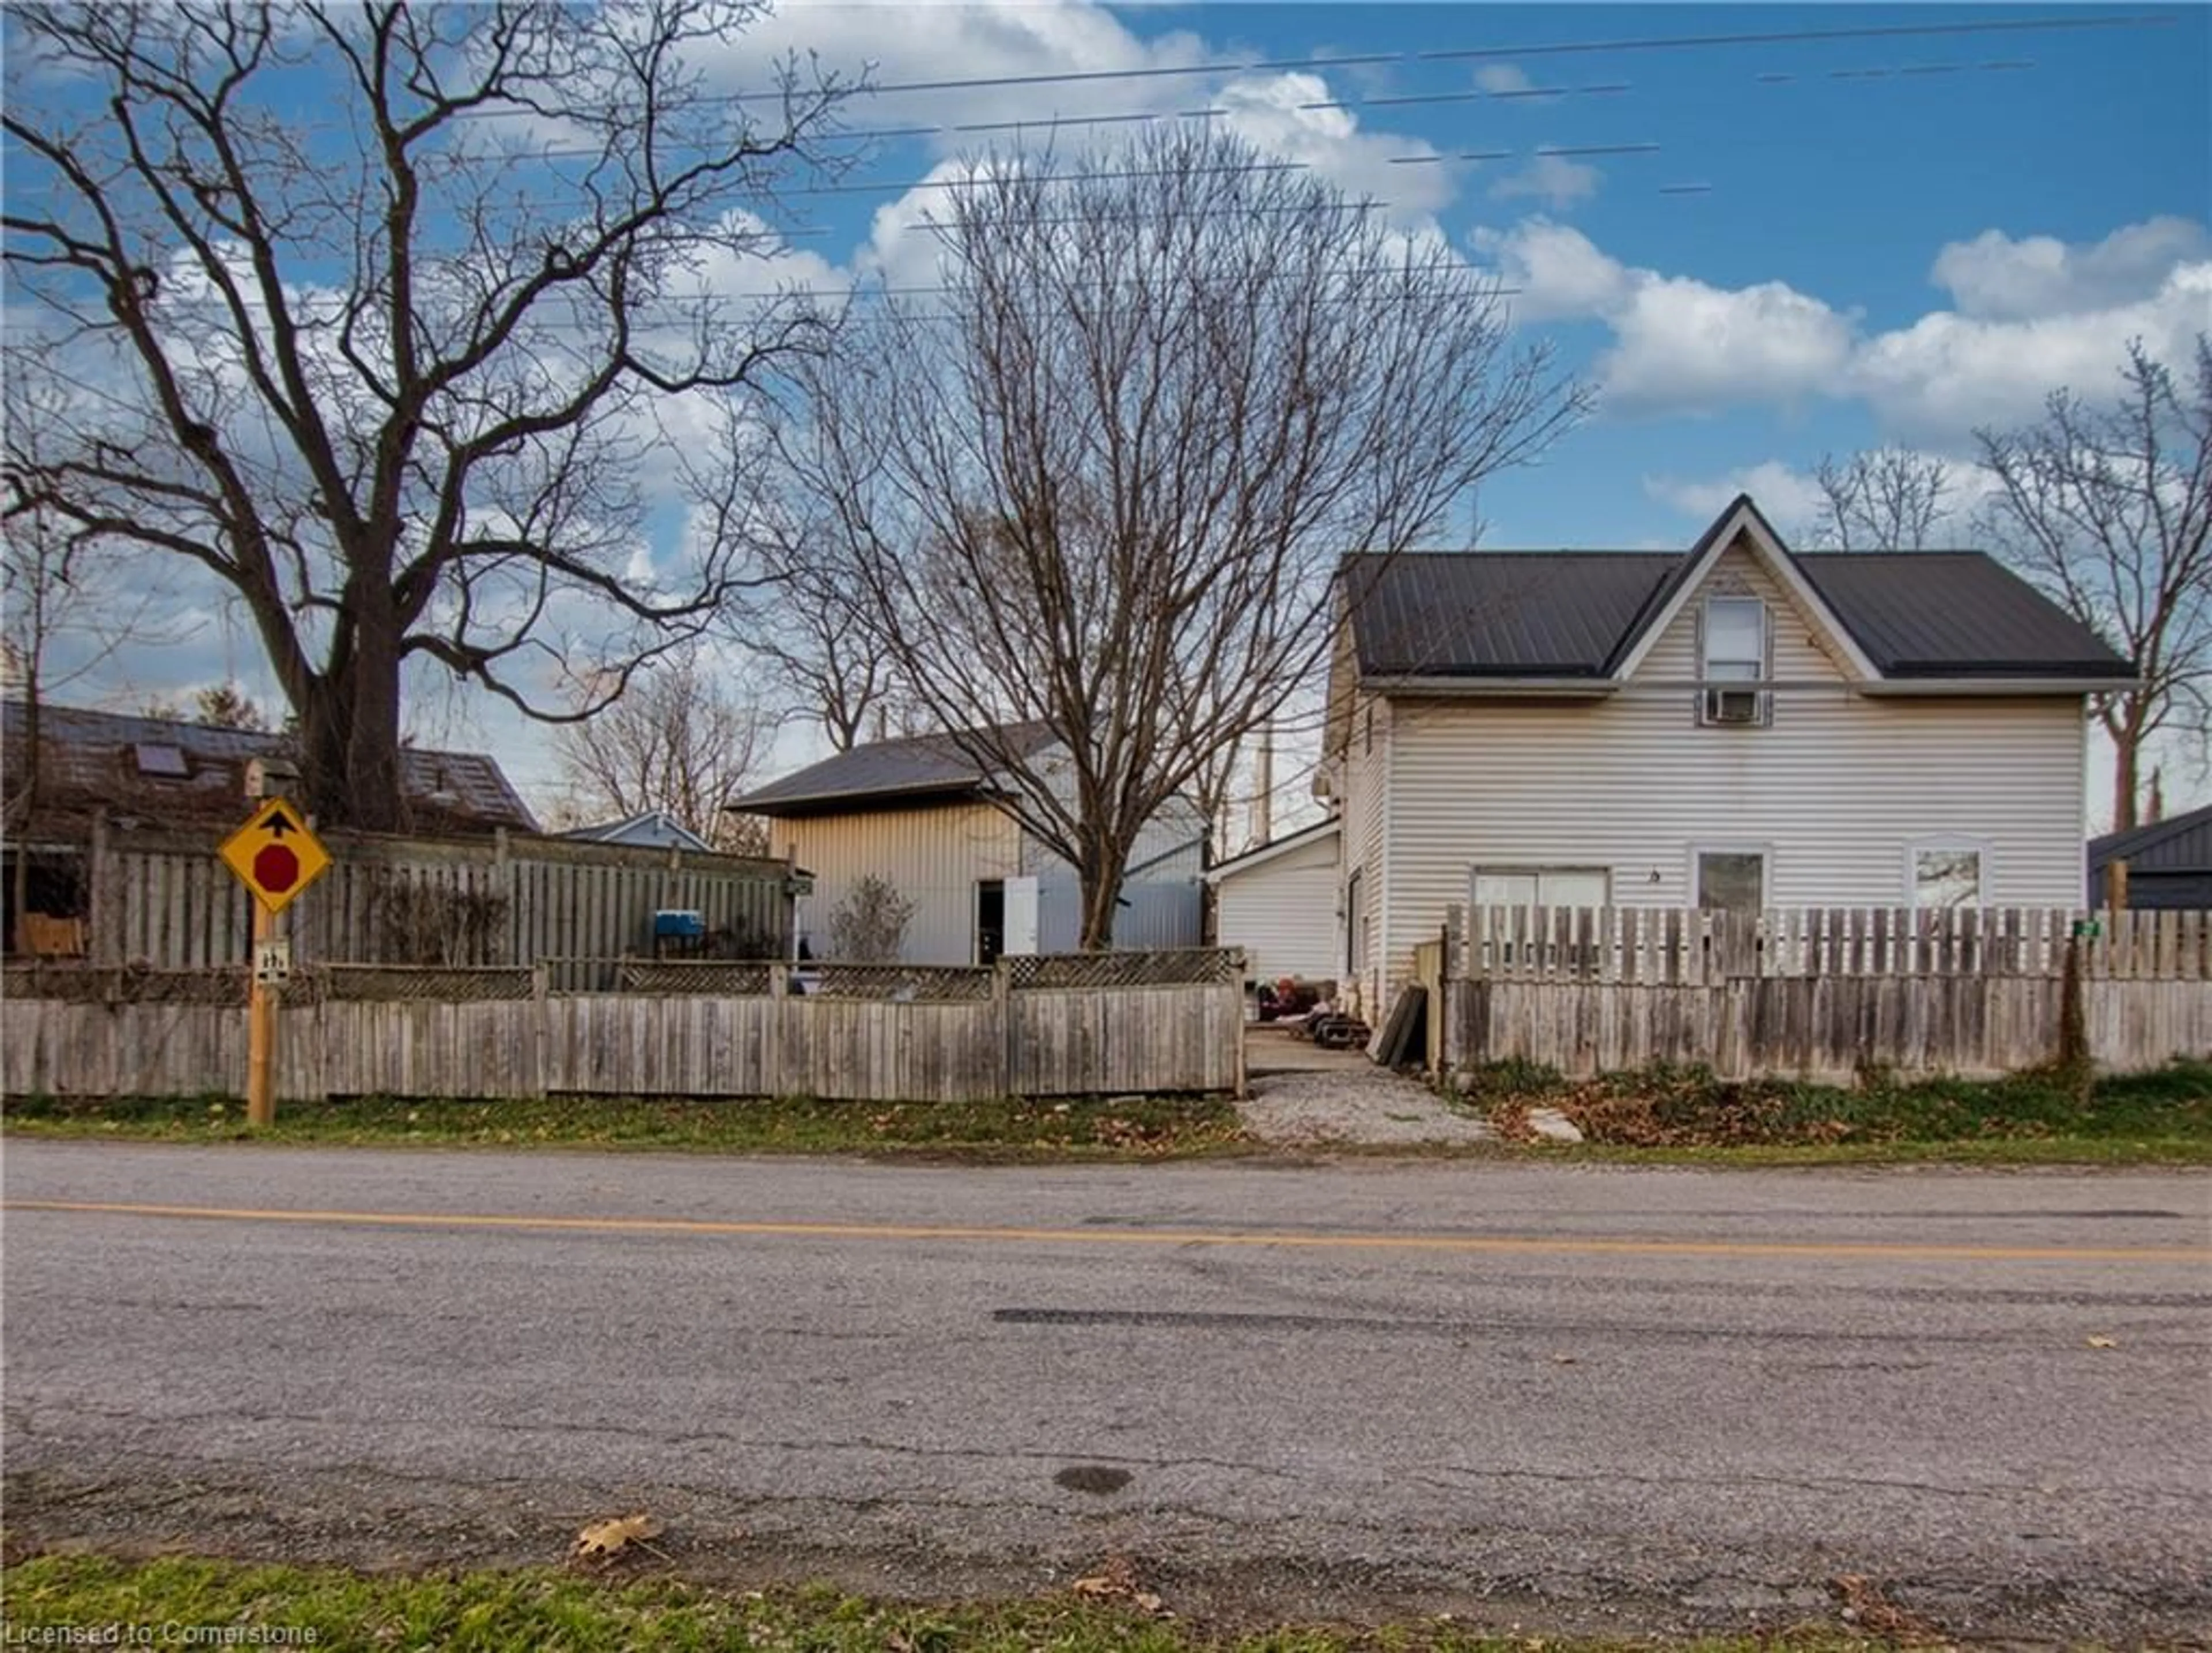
(1732, 706)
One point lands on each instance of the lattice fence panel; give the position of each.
(87, 984)
(727, 980)
(404, 984)
(1178, 967)
(923, 984)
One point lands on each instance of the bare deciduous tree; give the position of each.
(683, 737)
(398, 374)
(1103, 481)
(1886, 499)
(799, 621)
(2106, 508)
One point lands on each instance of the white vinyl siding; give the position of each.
(933, 856)
(1283, 914)
(1367, 803)
(1835, 792)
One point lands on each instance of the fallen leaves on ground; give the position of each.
(603, 1540)
(1867, 1606)
(1116, 1580)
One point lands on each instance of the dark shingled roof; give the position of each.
(92, 759)
(905, 770)
(1949, 615)
(2182, 843)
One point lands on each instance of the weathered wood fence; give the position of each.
(161, 899)
(1093, 1025)
(1826, 993)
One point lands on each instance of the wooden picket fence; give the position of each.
(1675, 947)
(1824, 993)
(861, 1032)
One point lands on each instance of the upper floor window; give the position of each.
(1735, 651)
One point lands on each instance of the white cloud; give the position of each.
(1502, 80)
(1682, 344)
(1560, 272)
(1274, 113)
(1789, 497)
(982, 40)
(1993, 275)
(1948, 373)
(1679, 343)
(1792, 500)
(1552, 178)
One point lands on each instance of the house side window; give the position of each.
(1731, 881)
(1540, 886)
(1945, 875)
(1732, 650)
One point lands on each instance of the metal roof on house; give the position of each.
(1936, 614)
(2181, 843)
(1952, 614)
(907, 768)
(1501, 613)
(130, 765)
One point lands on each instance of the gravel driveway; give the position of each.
(1305, 1096)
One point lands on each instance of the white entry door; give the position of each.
(1021, 915)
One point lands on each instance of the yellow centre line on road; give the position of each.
(1535, 1244)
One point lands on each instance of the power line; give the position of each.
(1555, 48)
(1791, 37)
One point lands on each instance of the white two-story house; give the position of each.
(1734, 726)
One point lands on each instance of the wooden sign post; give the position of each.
(275, 857)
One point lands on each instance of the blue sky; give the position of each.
(1897, 237)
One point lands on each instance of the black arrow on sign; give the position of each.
(278, 824)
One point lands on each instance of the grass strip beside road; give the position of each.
(509, 1612)
(1116, 1127)
(1686, 1115)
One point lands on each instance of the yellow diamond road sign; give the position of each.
(274, 856)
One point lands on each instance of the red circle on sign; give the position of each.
(276, 868)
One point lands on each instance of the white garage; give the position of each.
(1279, 903)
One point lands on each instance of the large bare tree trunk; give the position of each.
(402, 391)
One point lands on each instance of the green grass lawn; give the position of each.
(1122, 1127)
(2044, 1117)
(538, 1611)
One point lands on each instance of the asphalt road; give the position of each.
(1640, 1400)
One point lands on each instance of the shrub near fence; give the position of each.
(1826, 993)
(863, 1032)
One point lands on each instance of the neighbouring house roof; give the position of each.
(1319, 832)
(656, 829)
(171, 772)
(1574, 614)
(883, 772)
(2181, 843)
